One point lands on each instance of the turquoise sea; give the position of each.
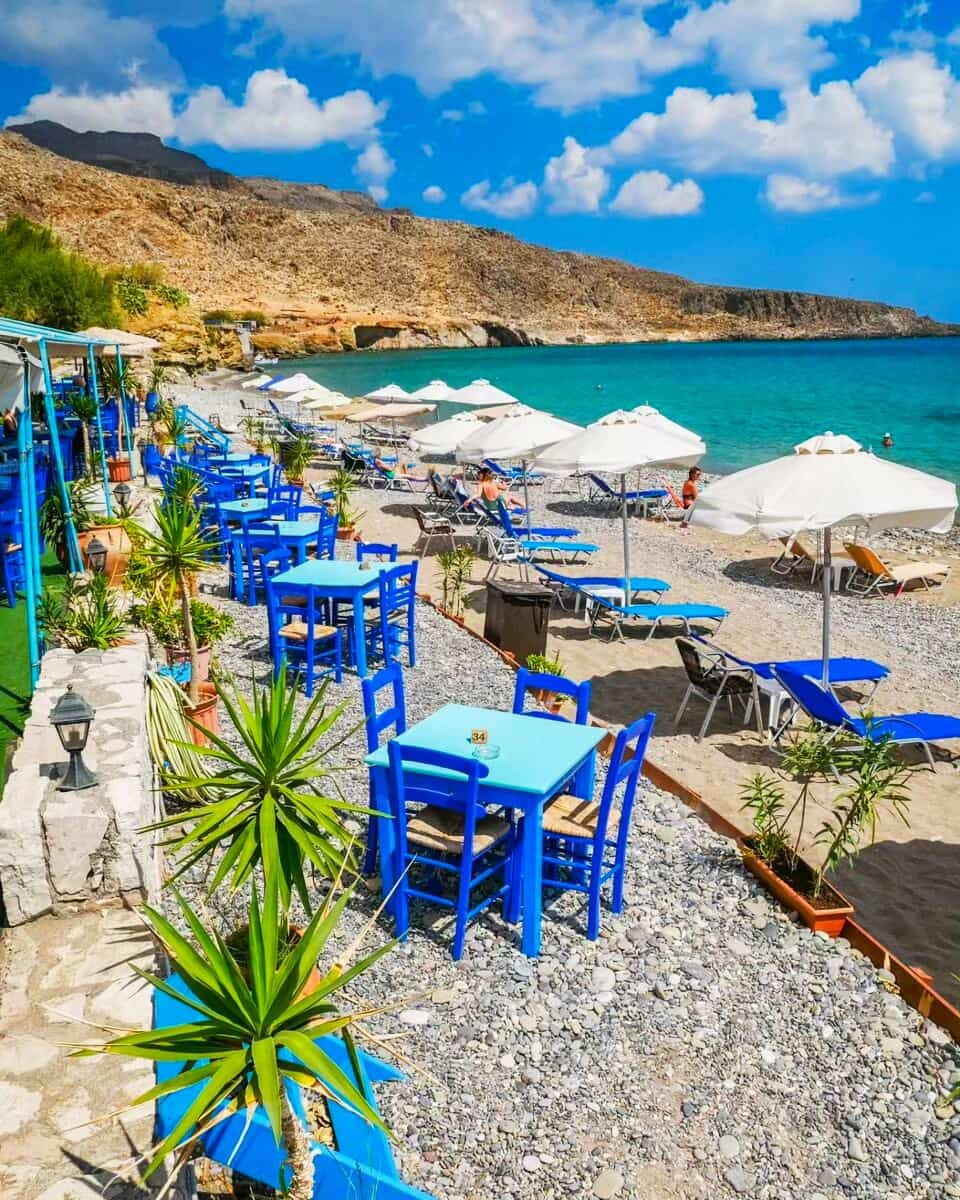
(749, 400)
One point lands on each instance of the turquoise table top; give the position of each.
(231, 507)
(328, 573)
(292, 529)
(241, 470)
(535, 756)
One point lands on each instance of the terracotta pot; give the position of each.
(345, 533)
(829, 920)
(118, 545)
(205, 714)
(118, 470)
(177, 654)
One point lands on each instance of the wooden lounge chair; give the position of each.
(872, 574)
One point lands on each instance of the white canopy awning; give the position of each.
(481, 393)
(390, 391)
(256, 381)
(435, 390)
(444, 436)
(519, 434)
(329, 400)
(620, 442)
(393, 412)
(293, 384)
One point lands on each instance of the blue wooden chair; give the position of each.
(529, 680)
(12, 568)
(585, 843)
(285, 501)
(381, 551)
(396, 626)
(299, 636)
(452, 834)
(391, 721)
(246, 547)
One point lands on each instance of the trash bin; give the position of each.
(518, 616)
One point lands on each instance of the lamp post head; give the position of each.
(72, 717)
(96, 555)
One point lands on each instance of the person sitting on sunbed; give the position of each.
(490, 491)
(689, 493)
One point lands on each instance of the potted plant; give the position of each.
(455, 568)
(863, 777)
(84, 615)
(118, 381)
(343, 485)
(296, 454)
(543, 664)
(114, 534)
(158, 377)
(176, 553)
(85, 409)
(164, 622)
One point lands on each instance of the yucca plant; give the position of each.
(85, 409)
(183, 486)
(175, 553)
(254, 1028)
(270, 808)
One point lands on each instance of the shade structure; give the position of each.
(820, 489)
(433, 391)
(292, 384)
(620, 442)
(132, 345)
(390, 391)
(257, 381)
(392, 412)
(329, 400)
(655, 419)
(445, 436)
(481, 393)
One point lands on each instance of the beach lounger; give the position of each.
(502, 513)
(903, 729)
(582, 587)
(653, 615)
(511, 474)
(602, 493)
(872, 574)
(396, 481)
(797, 556)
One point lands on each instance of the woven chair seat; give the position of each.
(572, 816)
(442, 829)
(293, 602)
(297, 631)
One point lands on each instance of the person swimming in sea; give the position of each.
(887, 442)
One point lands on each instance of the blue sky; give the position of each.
(809, 144)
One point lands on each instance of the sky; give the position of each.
(802, 144)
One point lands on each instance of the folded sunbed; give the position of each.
(873, 574)
(654, 615)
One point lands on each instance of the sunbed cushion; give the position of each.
(910, 727)
(442, 829)
(910, 571)
(658, 612)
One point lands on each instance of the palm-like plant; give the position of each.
(183, 487)
(85, 409)
(116, 377)
(269, 807)
(254, 1029)
(175, 553)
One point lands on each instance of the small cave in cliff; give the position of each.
(368, 335)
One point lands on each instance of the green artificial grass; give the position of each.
(15, 663)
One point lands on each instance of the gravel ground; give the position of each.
(705, 1046)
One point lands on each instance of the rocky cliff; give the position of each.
(348, 276)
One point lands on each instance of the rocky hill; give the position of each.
(345, 275)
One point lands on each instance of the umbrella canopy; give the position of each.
(395, 412)
(655, 419)
(621, 442)
(295, 383)
(481, 393)
(519, 434)
(435, 390)
(828, 481)
(132, 345)
(328, 400)
(390, 391)
(257, 381)
(445, 436)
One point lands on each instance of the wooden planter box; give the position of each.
(829, 918)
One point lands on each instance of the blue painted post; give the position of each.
(31, 536)
(73, 546)
(122, 415)
(103, 454)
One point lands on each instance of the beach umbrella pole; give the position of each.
(826, 582)
(626, 539)
(526, 494)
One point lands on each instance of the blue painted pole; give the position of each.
(73, 546)
(103, 453)
(122, 415)
(31, 534)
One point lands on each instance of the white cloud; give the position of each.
(787, 193)
(452, 114)
(427, 149)
(511, 201)
(925, 198)
(572, 182)
(139, 108)
(764, 43)
(277, 112)
(375, 166)
(917, 98)
(818, 133)
(953, 39)
(434, 194)
(651, 194)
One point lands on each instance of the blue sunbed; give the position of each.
(536, 531)
(583, 585)
(654, 615)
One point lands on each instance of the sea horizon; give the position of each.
(749, 400)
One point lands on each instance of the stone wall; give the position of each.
(59, 849)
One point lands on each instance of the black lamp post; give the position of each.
(71, 718)
(122, 492)
(96, 555)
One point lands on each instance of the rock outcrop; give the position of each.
(341, 275)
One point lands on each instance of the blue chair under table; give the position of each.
(528, 681)
(902, 729)
(452, 834)
(246, 546)
(299, 634)
(396, 620)
(585, 842)
(390, 720)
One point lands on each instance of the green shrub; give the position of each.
(132, 297)
(148, 275)
(253, 314)
(171, 295)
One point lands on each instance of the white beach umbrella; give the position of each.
(617, 443)
(481, 393)
(816, 489)
(435, 390)
(445, 436)
(393, 412)
(521, 433)
(390, 391)
(655, 419)
(290, 386)
(257, 381)
(329, 400)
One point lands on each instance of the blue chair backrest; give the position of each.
(272, 562)
(624, 768)
(398, 589)
(527, 680)
(289, 497)
(393, 718)
(378, 550)
(602, 484)
(248, 545)
(327, 536)
(457, 789)
(505, 520)
(817, 702)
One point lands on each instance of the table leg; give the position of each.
(360, 636)
(532, 856)
(386, 836)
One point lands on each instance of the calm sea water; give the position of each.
(749, 401)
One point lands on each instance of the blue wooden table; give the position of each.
(246, 512)
(536, 759)
(246, 474)
(295, 536)
(346, 581)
